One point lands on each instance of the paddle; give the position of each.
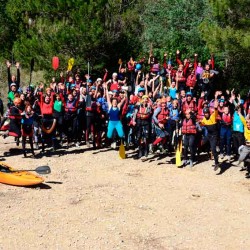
(55, 62)
(122, 152)
(32, 62)
(178, 154)
(71, 62)
(39, 170)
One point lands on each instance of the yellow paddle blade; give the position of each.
(178, 154)
(122, 151)
(178, 158)
(168, 82)
(71, 62)
(180, 146)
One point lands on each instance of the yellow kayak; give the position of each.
(10, 176)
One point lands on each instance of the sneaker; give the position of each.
(221, 156)
(228, 157)
(113, 145)
(216, 167)
(243, 168)
(190, 164)
(77, 145)
(152, 148)
(5, 136)
(185, 162)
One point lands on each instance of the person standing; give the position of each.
(114, 122)
(142, 120)
(27, 128)
(210, 122)
(189, 133)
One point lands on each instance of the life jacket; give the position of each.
(90, 104)
(70, 106)
(47, 108)
(188, 126)
(114, 85)
(191, 106)
(191, 81)
(180, 76)
(162, 116)
(200, 114)
(174, 114)
(143, 113)
(131, 66)
(226, 120)
(114, 114)
(15, 113)
(155, 67)
(206, 76)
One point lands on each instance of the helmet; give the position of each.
(141, 90)
(206, 110)
(138, 66)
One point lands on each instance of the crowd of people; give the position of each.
(149, 111)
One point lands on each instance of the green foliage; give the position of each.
(7, 31)
(97, 31)
(102, 31)
(229, 36)
(174, 24)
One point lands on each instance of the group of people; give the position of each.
(149, 111)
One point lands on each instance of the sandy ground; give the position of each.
(94, 200)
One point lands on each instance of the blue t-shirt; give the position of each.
(172, 92)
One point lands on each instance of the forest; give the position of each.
(103, 31)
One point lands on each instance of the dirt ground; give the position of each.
(94, 200)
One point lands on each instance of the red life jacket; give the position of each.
(114, 86)
(15, 113)
(143, 113)
(191, 106)
(92, 108)
(180, 76)
(163, 115)
(191, 81)
(200, 114)
(47, 108)
(188, 127)
(131, 66)
(70, 107)
(226, 119)
(155, 67)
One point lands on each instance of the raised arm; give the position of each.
(18, 75)
(107, 95)
(178, 60)
(8, 72)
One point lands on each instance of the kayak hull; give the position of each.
(19, 178)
